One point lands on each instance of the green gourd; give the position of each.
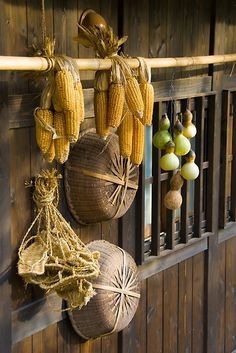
(169, 161)
(182, 144)
(190, 170)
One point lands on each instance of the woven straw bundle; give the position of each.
(117, 298)
(100, 183)
(55, 258)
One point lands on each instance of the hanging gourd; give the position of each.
(169, 161)
(173, 199)
(189, 129)
(190, 170)
(162, 136)
(182, 144)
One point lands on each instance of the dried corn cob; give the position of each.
(138, 142)
(56, 102)
(125, 133)
(44, 130)
(115, 104)
(101, 103)
(62, 145)
(65, 88)
(133, 97)
(79, 101)
(50, 155)
(72, 125)
(100, 112)
(148, 99)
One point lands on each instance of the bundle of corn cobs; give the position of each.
(123, 99)
(61, 111)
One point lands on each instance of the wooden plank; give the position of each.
(223, 154)
(133, 337)
(5, 221)
(198, 191)
(20, 206)
(24, 346)
(214, 110)
(185, 307)
(158, 30)
(13, 21)
(170, 310)
(227, 233)
(184, 217)
(233, 170)
(156, 187)
(21, 106)
(67, 339)
(169, 258)
(230, 297)
(182, 88)
(36, 316)
(154, 313)
(221, 291)
(199, 304)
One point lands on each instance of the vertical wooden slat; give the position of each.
(198, 191)
(221, 321)
(139, 224)
(154, 313)
(185, 307)
(199, 304)
(233, 170)
(133, 337)
(230, 297)
(213, 146)
(5, 229)
(170, 215)
(185, 195)
(156, 187)
(223, 154)
(170, 310)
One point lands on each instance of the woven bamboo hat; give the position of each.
(117, 298)
(100, 184)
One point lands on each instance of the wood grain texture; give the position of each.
(199, 304)
(230, 296)
(5, 230)
(170, 310)
(185, 306)
(155, 313)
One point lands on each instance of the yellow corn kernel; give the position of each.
(72, 125)
(43, 125)
(148, 99)
(134, 98)
(56, 102)
(62, 144)
(79, 101)
(125, 133)
(115, 104)
(100, 112)
(138, 142)
(50, 155)
(65, 88)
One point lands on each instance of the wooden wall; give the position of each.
(173, 315)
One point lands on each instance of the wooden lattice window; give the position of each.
(227, 209)
(162, 229)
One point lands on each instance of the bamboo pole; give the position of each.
(18, 63)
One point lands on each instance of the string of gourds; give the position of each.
(175, 147)
(61, 110)
(123, 98)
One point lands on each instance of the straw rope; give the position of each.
(55, 258)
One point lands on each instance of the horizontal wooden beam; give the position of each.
(22, 63)
(21, 107)
(227, 233)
